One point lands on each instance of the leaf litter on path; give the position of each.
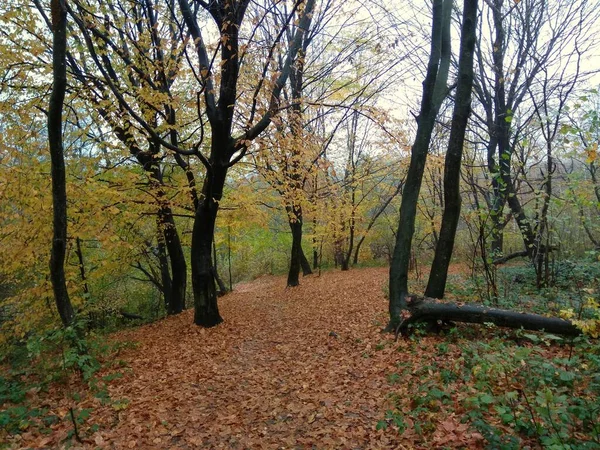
(302, 367)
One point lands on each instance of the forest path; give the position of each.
(289, 368)
(293, 368)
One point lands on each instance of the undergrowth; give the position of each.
(66, 362)
(515, 389)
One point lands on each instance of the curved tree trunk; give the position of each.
(434, 91)
(348, 254)
(82, 274)
(357, 250)
(505, 102)
(222, 288)
(436, 285)
(59, 183)
(226, 149)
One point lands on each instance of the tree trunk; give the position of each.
(82, 275)
(345, 264)
(222, 288)
(296, 258)
(206, 309)
(358, 246)
(434, 91)
(348, 254)
(166, 225)
(315, 251)
(427, 311)
(55, 141)
(165, 274)
(225, 149)
(504, 190)
(350, 186)
(306, 270)
(497, 201)
(177, 260)
(436, 285)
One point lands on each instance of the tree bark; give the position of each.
(348, 254)
(428, 311)
(206, 309)
(178, 264)
(165, 274)
(222, 288)
(59, 183)
(434, 91)
(306, 270)
(295, 221)
(82, 275)
(436, 285)
(175, 289)
(296, 80)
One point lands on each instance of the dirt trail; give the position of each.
(300, 368)
(289, 368)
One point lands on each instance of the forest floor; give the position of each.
(303, 367)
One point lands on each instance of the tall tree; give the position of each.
(525, 38)
(151, 55)
(225, 148)
(59, 182)
(434, 91)
(422, 310)
(337, 72)
(582, 136)
(217, 99)
(550, 110)
(462, 109)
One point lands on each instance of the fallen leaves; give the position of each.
(273, 375)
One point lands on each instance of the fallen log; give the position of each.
(433, 311)
(130, 316)
(522, 254)
(506, 258)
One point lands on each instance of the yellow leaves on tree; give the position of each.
(590, 326)
(591, 153)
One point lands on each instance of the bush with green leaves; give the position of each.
(65, 356)
(522, 393)
(515, 389)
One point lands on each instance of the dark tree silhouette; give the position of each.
(55, 140)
